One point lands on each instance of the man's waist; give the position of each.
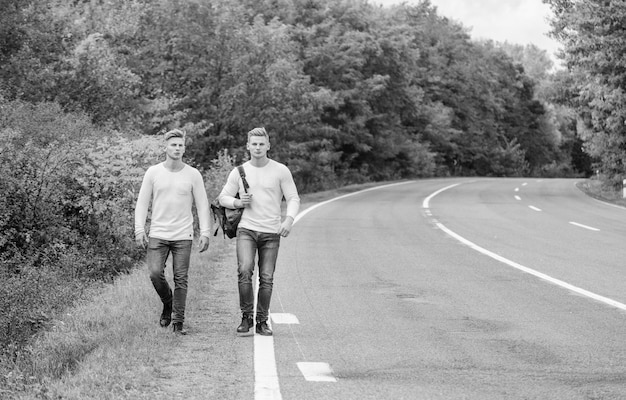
(266, 226)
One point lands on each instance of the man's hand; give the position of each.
(245, 199)
(285, 227)
(204, 243)
(141, 239)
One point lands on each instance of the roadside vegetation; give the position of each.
(596, 189)
(110, 346)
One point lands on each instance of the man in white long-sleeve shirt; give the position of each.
(173, 187)
(261, 225)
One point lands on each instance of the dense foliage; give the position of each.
(592, 33)
(350, 91)
(65, 212)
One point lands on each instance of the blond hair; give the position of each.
(258, 132)
(174, 133)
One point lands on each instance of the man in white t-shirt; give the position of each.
(261, 225)
(172, 186)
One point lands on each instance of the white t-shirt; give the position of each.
(172, 195)
(268, 185)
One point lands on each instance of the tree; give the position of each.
(536, 62)
(591, 32)
(490, 100)
(31, 49)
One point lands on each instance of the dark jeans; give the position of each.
(158, 251)
(249, 243)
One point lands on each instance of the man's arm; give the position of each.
(202, 208)
(290, 192)
(230, 189)
(141, 210)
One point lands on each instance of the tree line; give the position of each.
(350, 91)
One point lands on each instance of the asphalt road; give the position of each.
(391, 303)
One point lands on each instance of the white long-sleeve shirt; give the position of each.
(172, 195)
(268, 185)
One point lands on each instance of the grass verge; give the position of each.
(112, 347)
(595, 189)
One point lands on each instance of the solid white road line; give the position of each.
(305, 212)
(266, 384)
(584, 226)
(520, 267)
(426, 202)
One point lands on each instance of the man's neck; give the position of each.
(173, 165)
(259, 162)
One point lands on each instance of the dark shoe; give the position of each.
(178, 328)
(166, 315)
(263, 329)
(246, 324)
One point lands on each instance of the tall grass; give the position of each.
(111, 347)
(597, 189)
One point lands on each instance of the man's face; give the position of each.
(258, 146)
(175, 148)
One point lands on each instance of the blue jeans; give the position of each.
(158, 251)
(249, 243)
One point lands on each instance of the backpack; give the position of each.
(228, 218)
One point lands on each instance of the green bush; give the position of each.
(66, 213)
(66, 218)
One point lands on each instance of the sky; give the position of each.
(515, 21)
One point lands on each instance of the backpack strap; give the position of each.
(242, 173)
(217, 210)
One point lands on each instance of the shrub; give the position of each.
(66, 219)
(66, 214)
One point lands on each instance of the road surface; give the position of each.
(454, 289)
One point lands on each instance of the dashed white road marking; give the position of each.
(517, 198)
(584, 226)
(266, 383)
(513, 264)
(284, 318)
(316, 372)
(534, 208)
